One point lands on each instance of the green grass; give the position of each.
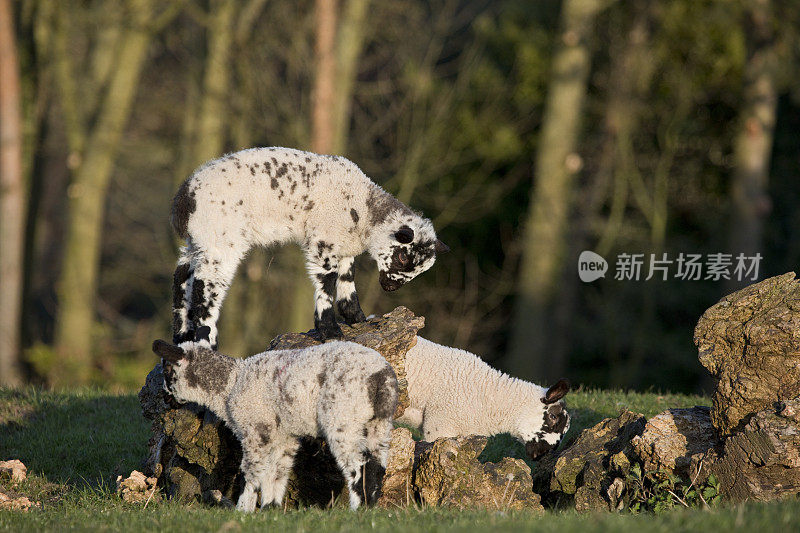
(81, 437)
(86, 510)
(75, 443)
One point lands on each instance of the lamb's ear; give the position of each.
(203, 333)
(168, 351)
(440, 247)
(556, 392)
(404, 235)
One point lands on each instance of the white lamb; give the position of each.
(454, 392)
(265, 196)
(341, 391)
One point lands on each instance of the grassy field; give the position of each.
(75, 444)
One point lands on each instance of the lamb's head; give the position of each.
(192, 371)
(545, 430)
(404, 246)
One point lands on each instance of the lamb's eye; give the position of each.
(402, 257)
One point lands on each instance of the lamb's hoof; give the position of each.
(271, 506)
(355, 319)
(350, 310)
(243, 508)
(355, 501)
(329, 331)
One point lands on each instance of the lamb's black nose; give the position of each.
(388, 284)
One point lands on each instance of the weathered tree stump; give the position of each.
(678, 441)
(762, 461)
(583, 472)
(594, 473)
(191, 450)
(448, 472)
(749, 439)
(398, 482)
(750, 343)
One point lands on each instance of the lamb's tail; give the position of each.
(382, 391)
(183, 205)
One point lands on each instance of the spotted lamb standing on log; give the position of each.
(341, 391)
(264, 196)
(455, 393)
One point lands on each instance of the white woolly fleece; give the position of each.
(291, 195)
(455, 393)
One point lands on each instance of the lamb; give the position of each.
(342, 391)
(454, 392)
(266, 196)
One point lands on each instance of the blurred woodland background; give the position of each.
(527, 130)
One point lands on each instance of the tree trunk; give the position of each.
(322, 135)
(349, 44)
(322, 119)
(12, 202)
(87, 193)
(749, 342)
(557, 162)
(210, 139)
(753, 144)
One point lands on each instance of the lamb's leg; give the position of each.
(322, 267)
(350, 457)
(257, 468)
(346, 297)
(180, 298)
(266, 481)
(247, 500)
(379, 436)
(283, 467)
(213, 273)
(274, 468)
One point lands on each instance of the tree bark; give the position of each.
(753, 144)
(210, 139)
(87, 193)
(349, 44)
(761, 462)
(750, 343)
(12, 202)
(557, 163)
(322, 119)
